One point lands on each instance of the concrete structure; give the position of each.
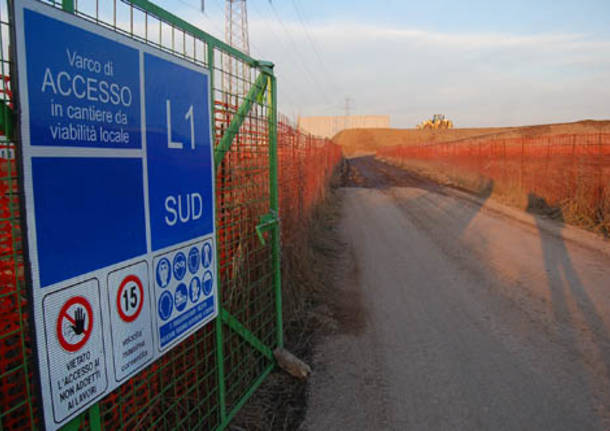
(329, 126)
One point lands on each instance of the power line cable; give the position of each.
(221, 32)
(293, 87)
(301, 57)
(314, 47)
(296, 52)
(254, 46)
(285, 49)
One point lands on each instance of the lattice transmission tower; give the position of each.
(235, 79)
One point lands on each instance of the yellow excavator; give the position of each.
(438, 122)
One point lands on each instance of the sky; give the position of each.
(481, 63)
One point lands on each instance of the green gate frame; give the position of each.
(264, 87)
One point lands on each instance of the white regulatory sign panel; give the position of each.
(131, 332)
(118, 185)
(75, 345)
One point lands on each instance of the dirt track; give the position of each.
(456, 316)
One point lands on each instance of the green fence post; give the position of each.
(220, 366)
(74, 424)
(67, 5)
(95, 419)
(274, 204)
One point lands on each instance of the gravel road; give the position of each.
(454, 315)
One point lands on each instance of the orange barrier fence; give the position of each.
(305, 165)
(570, 173)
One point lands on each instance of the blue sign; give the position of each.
(178, 146)
(83, 89)
(117, 166)
(181, 324)
(195, 289)
(89, 214)
(179, 266)
(166, 305)
(206, 255)
(208, 282)
(163, 272)
(194, 260)
(181, 297)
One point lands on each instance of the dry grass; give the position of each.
(577, 208)
(368, 141)
(308, 257)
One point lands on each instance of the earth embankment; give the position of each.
(366, 141)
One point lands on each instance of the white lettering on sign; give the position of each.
(183, 208)
(188, 117)
(92, 89)
(170, 143)
(84, 63)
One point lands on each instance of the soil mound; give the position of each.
(357, 142)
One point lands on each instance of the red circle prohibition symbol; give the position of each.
(126, 317)
(72, 320)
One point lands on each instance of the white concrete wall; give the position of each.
(329, 126)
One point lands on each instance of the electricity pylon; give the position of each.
(235, 78)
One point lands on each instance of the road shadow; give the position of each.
(368, 172)
(566, 286)
(571, 303)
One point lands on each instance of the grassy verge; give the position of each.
(308, 258)
(581, 206)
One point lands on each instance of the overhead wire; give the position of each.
(291, 85)
(220, 34)
(314, 48)
(285, 50)
(297, 53)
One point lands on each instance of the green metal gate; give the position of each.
(205, 380)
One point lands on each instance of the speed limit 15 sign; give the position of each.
(130, 298)
(130, 319)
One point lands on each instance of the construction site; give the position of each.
(250, 215)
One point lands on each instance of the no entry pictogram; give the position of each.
(130, 298)
(74, 323)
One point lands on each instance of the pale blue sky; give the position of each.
(482, 63)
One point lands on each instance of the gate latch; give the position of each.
(266, 222)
